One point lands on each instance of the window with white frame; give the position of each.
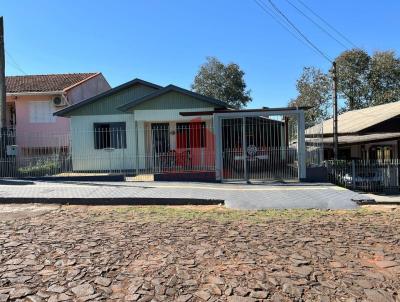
(41, 112)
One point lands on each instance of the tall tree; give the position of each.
(314, 90)
(223, 82)
(384, 78)
(352, 75)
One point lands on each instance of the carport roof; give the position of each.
(283, 109)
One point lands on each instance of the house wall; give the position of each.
(29, 134)
(109, 104)
(88, 89)
(173, 100)
(138, 129)
(84, 155)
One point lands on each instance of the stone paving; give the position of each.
(238, 196)
(200, 254)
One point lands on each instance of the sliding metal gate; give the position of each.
(260, 148)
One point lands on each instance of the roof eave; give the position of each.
(34, 93)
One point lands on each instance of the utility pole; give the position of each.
(3, 105)
(2, 78)
(335, 112)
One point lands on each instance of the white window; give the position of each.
(41, 112)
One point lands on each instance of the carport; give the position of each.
(255, 144)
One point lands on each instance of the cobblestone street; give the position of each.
(77, 253)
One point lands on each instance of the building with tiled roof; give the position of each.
(32, 100)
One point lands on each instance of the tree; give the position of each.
(384, 78)
(352, 74)
(222, 82)
(314, 90)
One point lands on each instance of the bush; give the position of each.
(41, 168)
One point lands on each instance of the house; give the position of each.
(149, 129)
(32, 99)
(370, 133)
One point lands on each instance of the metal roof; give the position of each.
(196, 113)
(354, 139)
(355, 121)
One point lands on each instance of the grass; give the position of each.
(214, 213)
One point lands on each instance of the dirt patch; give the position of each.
(19, 211)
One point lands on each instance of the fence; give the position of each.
(141, 151)
(373, 176)
(138, 152)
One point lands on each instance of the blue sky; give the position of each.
(166, 41)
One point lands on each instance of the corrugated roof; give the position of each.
(354, 139)
(357, 120)
(45, 82)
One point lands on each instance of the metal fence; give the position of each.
(143, 150)
(259, 148)
(137, 152)
(373, 176)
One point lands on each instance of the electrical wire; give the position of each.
(300, 32)
(328, 24)
(276, 18)
(14, 62)
(316, 24)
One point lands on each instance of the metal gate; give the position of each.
(259, 148)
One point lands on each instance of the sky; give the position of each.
(165, 42)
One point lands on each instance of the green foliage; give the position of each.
(41, 168)
(384, 78)
(363, 81)
(314, 90)
(223, 82)
(352, 74)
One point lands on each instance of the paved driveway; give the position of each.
(238, 196)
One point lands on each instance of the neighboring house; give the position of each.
(32, 100)
(149, 129)
(370, 133)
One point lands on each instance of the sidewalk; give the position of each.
(238, 196)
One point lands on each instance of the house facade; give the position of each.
(32, 99)
(370, 134)
(149, 129)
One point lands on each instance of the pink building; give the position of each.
(32, 100)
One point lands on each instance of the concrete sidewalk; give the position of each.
(238, 196)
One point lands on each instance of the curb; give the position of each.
(135, 201)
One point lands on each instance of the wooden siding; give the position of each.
(172, 100)
(109, 104)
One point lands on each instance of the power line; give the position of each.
(316, 24)
(276, 18)
(14, 62)
(300, 32)
(328, 24)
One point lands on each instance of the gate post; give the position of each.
(244, 149)
(353, 174)
(301, 145)
(218, 146)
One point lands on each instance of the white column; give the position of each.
(301, 145)
(218, 147)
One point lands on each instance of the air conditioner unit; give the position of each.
(59, 102)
